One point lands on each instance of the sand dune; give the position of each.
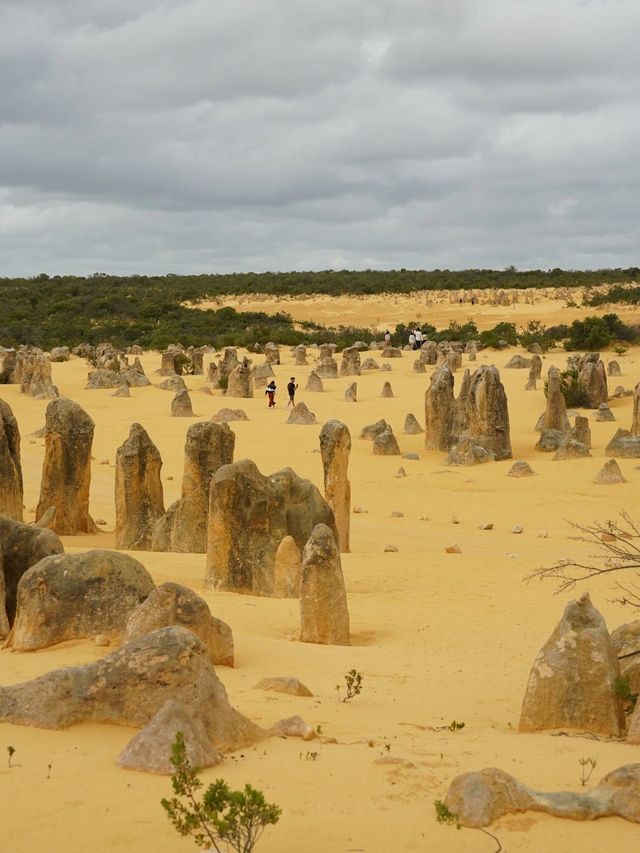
(437, 637)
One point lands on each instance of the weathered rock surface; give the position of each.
(21, 545)
(71, 596)
(66, 471)
(369, 364)
(314, 382)
(300, 414)
(635, 417)
(287, 569)
(411, 425)
(183, 528)
(241, 381)
(572, 680)
(293, 727)
(520, 469)
(350, 365)
(35, 376)
(487, 415)
(626, 643)
(479, 798)
(570, 448)
(624, 444)
(387, 391)
(582, 431)
(138, 490)
(284, 684)
(518, 362)
(225, 416)
(467, 452)
(555, 414)
(11, 488)
(249, 516)
(181, 406)
(386, 444)
(604, 413)
(271, 353)
(613, 368)
(129, 687)
(536, 366)
(335, 447)
(609, 474)
(438, 408)
(593, 378)
(550, 439)
(59, 354)
(173, 604)
(300, 354)
(372, 431)
(327, 368)
(324, 617)
(173, 383)
(351, 393)
(150, 749)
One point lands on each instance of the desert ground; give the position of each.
(437, 637)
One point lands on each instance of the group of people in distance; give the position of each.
(270, 392)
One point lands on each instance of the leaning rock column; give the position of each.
(324, 617)
(66, 471)
(139, 495)
(11, 490)
(438, 410)
(335, 447)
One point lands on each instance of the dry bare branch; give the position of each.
(618, 544)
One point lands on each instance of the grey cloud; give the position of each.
(200, 135)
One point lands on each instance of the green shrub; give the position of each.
(235, 818)
(574, 393)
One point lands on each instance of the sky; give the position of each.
(189, 136)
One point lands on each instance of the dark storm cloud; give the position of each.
(208, 135)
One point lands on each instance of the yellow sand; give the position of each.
(436, 637)
(438, 307)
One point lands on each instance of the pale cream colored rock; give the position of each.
(335, 447)
(324, 617)
(287, 569)
(572, 680)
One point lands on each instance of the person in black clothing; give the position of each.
(291, 389)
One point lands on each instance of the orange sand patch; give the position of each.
(437, 637)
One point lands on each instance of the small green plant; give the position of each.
(312, 756)
(622, 689)
(444, 814)
(585, 763)
(620, 349)
(11, 751)
(236, 818)
(455, 726)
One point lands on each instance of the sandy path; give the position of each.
(437, 637)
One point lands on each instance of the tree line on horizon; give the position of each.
(154, 311)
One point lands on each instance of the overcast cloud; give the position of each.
(233, 135)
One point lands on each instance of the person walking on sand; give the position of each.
(270, 391)
(387, 337)
(412, 340)
(291, 390)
